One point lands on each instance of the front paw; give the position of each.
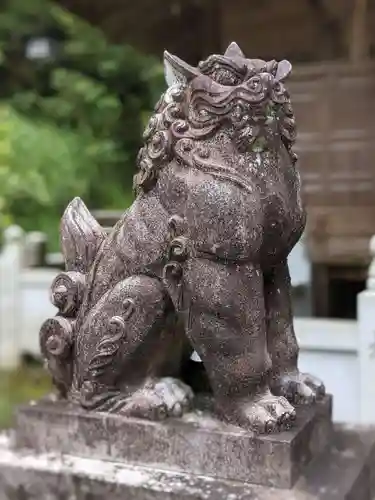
(175, 394)
(298, 388)
(159, 399)
(263, 414)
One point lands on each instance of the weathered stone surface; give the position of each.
(198, 262)
(344, 472)
(195, 444)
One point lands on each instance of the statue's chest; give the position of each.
(230, 217)
(283, 218)
(278, 185)
(223, 217)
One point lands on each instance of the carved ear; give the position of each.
(177, 71)
(284, 68)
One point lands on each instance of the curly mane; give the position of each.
(243, 95)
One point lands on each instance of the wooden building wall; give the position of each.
(185, 27)
(335, 105)
(302, 30)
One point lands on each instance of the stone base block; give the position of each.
(58, 452)
(345, 472)
(197, 444)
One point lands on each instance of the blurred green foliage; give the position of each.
(20, 386)
(5, 153)
(71, 125)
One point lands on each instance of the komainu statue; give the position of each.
(197, 263)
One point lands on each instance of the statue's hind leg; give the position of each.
(282, 343)
(123, 353)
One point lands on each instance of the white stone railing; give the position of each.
(366, 341)
(24, 299)
(10, 264)
(341, 352)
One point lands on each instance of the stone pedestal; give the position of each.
(59, 452)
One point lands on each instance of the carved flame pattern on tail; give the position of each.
(81, 237)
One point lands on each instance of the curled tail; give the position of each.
(81, 237)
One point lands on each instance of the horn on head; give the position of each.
(178, 71)
(233, 50)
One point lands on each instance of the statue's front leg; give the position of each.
(225, 320)
(282, 343)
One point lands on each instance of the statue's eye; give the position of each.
(203, 113)
(254, 83)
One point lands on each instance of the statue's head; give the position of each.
(243, 98)
(232, 91)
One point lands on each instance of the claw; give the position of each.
(185, 405)
(270, 426)
(284, 418)
(161, 413)
(177, 410)
(283, 422)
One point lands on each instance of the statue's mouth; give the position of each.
(251, 143)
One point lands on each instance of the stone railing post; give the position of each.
(11, 259)
(35, 249)
(366, 344)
